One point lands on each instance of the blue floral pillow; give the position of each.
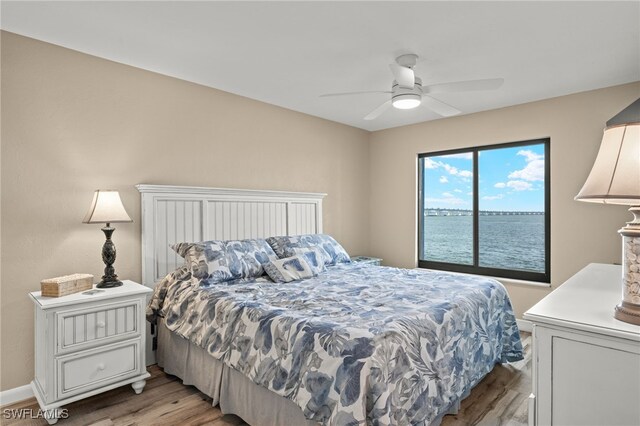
(220, 261)
(290, 269)
(315, 257)
(331, 250)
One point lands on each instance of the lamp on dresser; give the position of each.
(107, 207)
(615, 179)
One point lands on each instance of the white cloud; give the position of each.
(518, 185)
(430, 164)
(448, 167)
(443, 179)
(470, 193)
(530, 155)
(447, 200)
(493, 197)
(457, 190)
(500, 185)
(464, 156)
(533, 171)
(455, 172)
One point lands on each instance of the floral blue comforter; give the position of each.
(357, 344)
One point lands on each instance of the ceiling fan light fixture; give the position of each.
(407, 91)
(406, 101)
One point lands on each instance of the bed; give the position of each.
(353, 344)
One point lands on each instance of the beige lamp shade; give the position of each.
(106, 207)
(615, 176)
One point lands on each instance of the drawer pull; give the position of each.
(101, 366)
(101, 324)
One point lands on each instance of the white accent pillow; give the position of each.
(289, 269)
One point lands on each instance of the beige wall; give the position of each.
(72, 123)
(580, 232)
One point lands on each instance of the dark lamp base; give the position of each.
(110, 278)
(109, 284)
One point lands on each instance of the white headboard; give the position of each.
(172, 214)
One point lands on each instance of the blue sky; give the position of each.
(510, 179)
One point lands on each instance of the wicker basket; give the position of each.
(69, 284)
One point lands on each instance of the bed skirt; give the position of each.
(234, 392)
(228, 388)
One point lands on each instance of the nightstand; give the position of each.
(86, 344)
(366, 259)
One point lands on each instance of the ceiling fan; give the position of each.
(407, 91)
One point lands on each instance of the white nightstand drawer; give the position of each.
(83, 371)
(99, 324)
(87, 343)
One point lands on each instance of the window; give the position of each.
(485, 210)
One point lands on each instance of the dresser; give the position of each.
(86, 344)
(586, 363)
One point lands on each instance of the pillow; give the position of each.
(219, 261)
(315, 257)
(287, 246)
(183, 248)
(289, 269)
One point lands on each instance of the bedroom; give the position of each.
(97, 96)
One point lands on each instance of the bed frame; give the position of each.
(173, 214)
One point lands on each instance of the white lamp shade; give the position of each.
(106, 207)
(615, 176)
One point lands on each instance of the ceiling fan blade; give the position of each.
(403, 75)
(465, 86)
(439, 107)
(328, 95)
(376, 112)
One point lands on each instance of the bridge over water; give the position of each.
(460, 212)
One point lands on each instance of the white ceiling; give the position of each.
(289, 53)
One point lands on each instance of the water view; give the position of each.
(507, 186)
(506, 241)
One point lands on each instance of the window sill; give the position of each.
(510, 281)
(521, 282)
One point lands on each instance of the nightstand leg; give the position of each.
(52, 415)
(138, 386)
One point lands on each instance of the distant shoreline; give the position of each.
(456, 212)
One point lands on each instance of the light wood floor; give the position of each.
(499, 399)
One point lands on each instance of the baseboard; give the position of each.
(15, 395)
(525, 325)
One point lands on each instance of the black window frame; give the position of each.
(543, 277)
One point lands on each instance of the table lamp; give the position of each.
(615, 179)
(107, 207)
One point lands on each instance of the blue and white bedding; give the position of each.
(355, 344)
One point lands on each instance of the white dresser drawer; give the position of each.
(83, 371)
(101, 324)
(585, 366)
